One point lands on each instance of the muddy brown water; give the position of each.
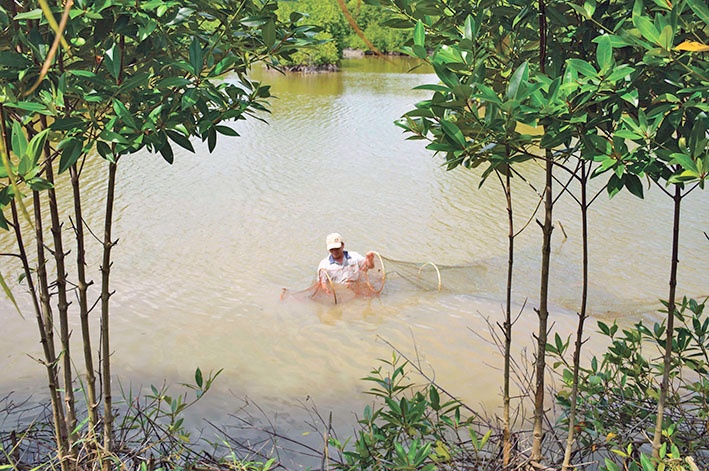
(207, 245)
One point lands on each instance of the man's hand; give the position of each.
(369, 260)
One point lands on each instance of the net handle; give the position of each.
(384, 275)
(329, 281)
(438, 273)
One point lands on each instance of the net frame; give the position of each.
(383, 272)
(438, 273)
(329, 282)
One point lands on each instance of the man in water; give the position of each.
(342, 266)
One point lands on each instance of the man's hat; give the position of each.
(334, 241)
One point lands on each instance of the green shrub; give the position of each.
(618, 392)
(409, 427)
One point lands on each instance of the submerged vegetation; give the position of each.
(613, 89)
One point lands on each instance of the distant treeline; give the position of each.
(338, 33)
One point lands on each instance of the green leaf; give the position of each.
(521, 74)
(198, 377)
(487, 94)
(30, 15)
(224, 65)
(468, 28)
(196, 60)
(39, 184)
(26, 167)
(112, 59)
(5, 287)
(611, 466)
(583, 67)
(435, 398)
(420, 52)
(105, 151)
(36, 145)
(634, 185)
(256, 20)
(446, 76)
(71, 148)
(268, 33)
(433, 87)
(604, 53)
(589, 7)
(647, 28)
(122, 112)
(646, 463)
(14, 59)
(19, 140)
(621, 72)
(685, 161)
(615, 184)
(700, 8)
(419, 34)
(65, 124)
(180, 139)
(31, 106)
(166, 152)
(146, 28)
(666, 38)
(453, 132)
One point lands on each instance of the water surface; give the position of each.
(207, 244)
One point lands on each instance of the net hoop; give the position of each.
(438, 272)
(384, 276)
(329, 282)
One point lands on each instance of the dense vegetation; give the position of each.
(612, 89)
(345, 25)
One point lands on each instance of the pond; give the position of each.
(208, 244)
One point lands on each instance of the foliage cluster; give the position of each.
(409, 427)
(338, 32)
(618, 393)
(151, 434)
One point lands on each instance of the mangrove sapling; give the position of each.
(30, 151)
(669, 131)
(471, 139)
(407, 426)
(613, 401)
(107, 245)
(82, 287)
(507, 326)
(60, 285)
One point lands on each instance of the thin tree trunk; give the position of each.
(62, 302)
(506, 435)
(543, 312)
(45, 328)
(50, 361)
(105, 295)
(582, 319)
(657, 437)
(543, 315)
(83, 287)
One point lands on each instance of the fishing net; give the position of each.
(390, 276)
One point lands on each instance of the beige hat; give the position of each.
(334, 241)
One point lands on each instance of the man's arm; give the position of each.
(368, 261)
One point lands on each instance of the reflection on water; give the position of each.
(207, 245)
